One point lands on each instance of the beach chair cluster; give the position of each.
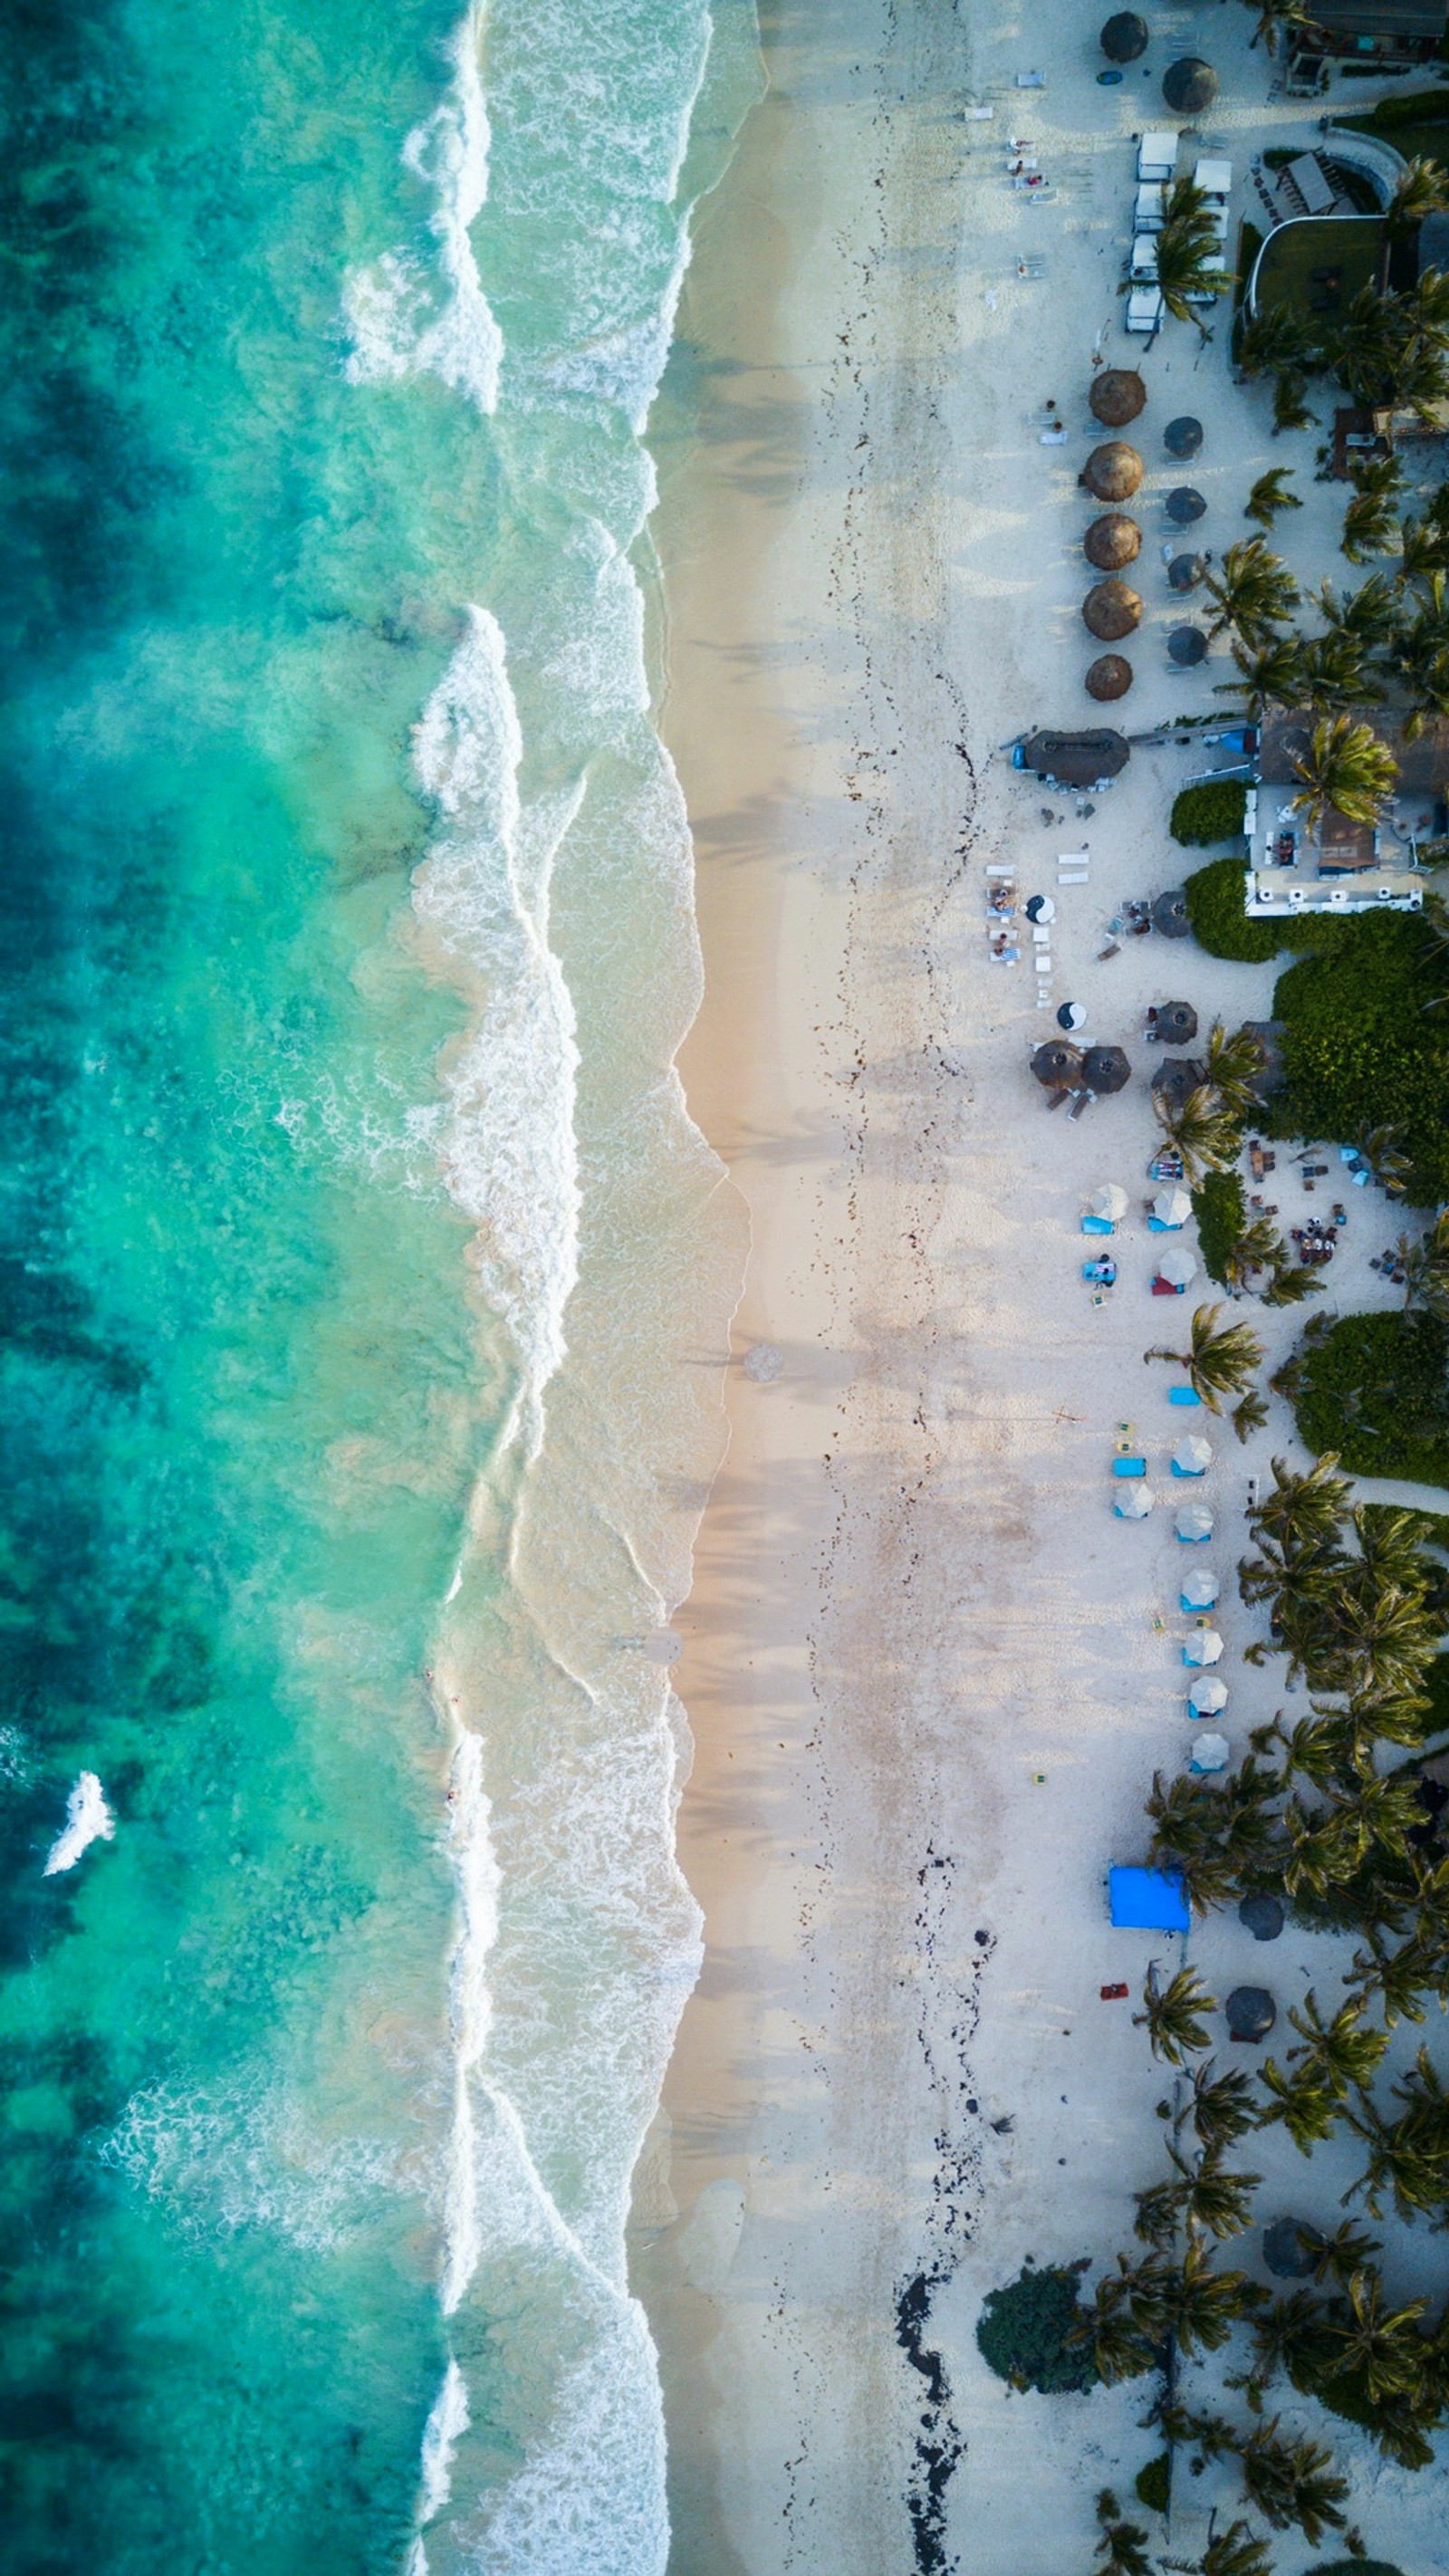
(1156, 171)
(1003, 937)
(1166, 1213)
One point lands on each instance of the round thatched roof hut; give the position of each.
(1285, 2253)
(1124, 38)
(1169, 913)
(1118, 394)
(1185, 572)
(1057, 1065)
(1114, 471)
(1105, 1068)
(1177, 1077)
(1110, 611)
(1190, 85)
(1263, 1916)
(1183, 437)
(1108, 677)
(1177, 1024)
(1187, 645)
(1251, 2013)
(1184, 505)
(1112, 541)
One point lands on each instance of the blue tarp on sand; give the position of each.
(1147, 1900)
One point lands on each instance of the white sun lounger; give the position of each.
(1157, 155)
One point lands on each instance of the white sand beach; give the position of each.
(929, 1675)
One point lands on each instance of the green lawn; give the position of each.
(1318, 267)
(1418, 122)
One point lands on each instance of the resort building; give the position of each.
(1391, 34)
(1336, 865)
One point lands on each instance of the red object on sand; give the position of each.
(1114, 1994)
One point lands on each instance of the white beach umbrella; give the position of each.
(1172, 1207)
(1193, 1456)
(1209, 1753)
(1109, 1202)
(1194, 1522)
(1200, 1589)
(1178, 1268)
(1204, 1646)
(1207, 1695)
(1133, 1502)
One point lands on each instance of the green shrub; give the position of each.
(1374, 1389)
(1211, 811)
(1220, 1205)
(1153, 2484)
(1219, 923)
(1360, 1045)
(1022, 2331)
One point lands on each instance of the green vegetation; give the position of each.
(1220, 1206)
(1414, 123)
(1215, 896)
(1023, 2331)
(1213, 810)
(1363, 1046)
(1153, 2485)
(1353, 245)
(1377, 1386)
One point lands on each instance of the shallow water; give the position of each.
(363, 1278)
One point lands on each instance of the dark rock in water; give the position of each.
(1251, 2013)
(1263, 1916)
(1284, 2251)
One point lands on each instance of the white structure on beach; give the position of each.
(1336, 865)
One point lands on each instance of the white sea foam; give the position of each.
(244, 2156)
(508, 1147)
(406, 316)
(87, 1820)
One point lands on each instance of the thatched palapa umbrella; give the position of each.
(1187, 645)
(1285, 2253)
(1108, 677)
(1190, 85)
(1124, 37)
(1177, 1023)
(1118, 394)
(1169, 914)
(1263, 1916)
(1251, 2013)
(1178, 1077)
(1113, 471)
(1105, 1068)
(1183, 437)
(1184, 505)
(1057, 1066)
(1112, 541)
(1111, 611)
(1185, 572)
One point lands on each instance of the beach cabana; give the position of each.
(1118, 393)
(1208, 1695)
(1177, 1269)
(1170, 1209)
(1192, 1456)
(1105, 1209)
(1209, 1753)
(1114, 471)
(1194, 1524)
(1187, 645)
(1176, 1024)
(1147, 1900)
(1178, 1077)
(1057, 1066)
(1134, 1502)
(1182, 437)
(1109, 677)
(1124, 38)
(1111, 610)
(1112, 541)
(1190, 86)
(1074, 759)
(1202, 1648)
(1200, 1589)
(1105, 1069)
(1184, 505)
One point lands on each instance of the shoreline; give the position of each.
(927, 1675)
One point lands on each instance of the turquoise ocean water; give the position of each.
(361, 1274)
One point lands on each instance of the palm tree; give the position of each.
(1235, 2552)
(1369, 526)
(1201, 1130)
(1256, 1248)
(1337, 673)
(1280, 17)
(1292, 2482)
(1303, 1511)
(1118, 2350)
(1218, 2202)
(1271, 677)
(1122, 2549)
(1219, 1360)
(1338, 2256)
(1190, 265)
(1159, 2214)
(1421, 550)
(1379, 2345)
(1387, 352)
(1340, 2053)
(1290, 1284)
(1270, 496)
(1250, 1414)
(1419, 654)
(1371, 612)
(1277, 341)
(1379, 1148)
(1173, 2015)
(1346, 770)
(1395, 1979)
(1235, 1066)
(1308, 2109)
(1203, 2305)
(1253, 595)
(1282, 2335)
(1422, 189)
(1221, 2106)
(1290, 411)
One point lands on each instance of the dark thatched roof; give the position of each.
(1111, 610)
(1113, 471)
(1108, 677)
(1105, 1068)
(1118, 394)
(1057, 1064)
(1177, 1077)
(1112, 541)
(1190, 85)
(1124, 37)
(1251, 2012)
(1076, 759)
(1177, 1023)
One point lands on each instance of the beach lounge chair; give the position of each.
(1129, 1466)
(1098, 1225)
(1157, 154)
(1147, 1900)
(1183, 1395)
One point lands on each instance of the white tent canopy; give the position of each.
(1204, 1646)
(1178, 1268)
(1200, 1589)
(1207, 1695)
(1109, 1202)
(1209, 1753)
(1172, 1207)
(1193, 1456)
(1134, 1502)
(1194, 1521)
